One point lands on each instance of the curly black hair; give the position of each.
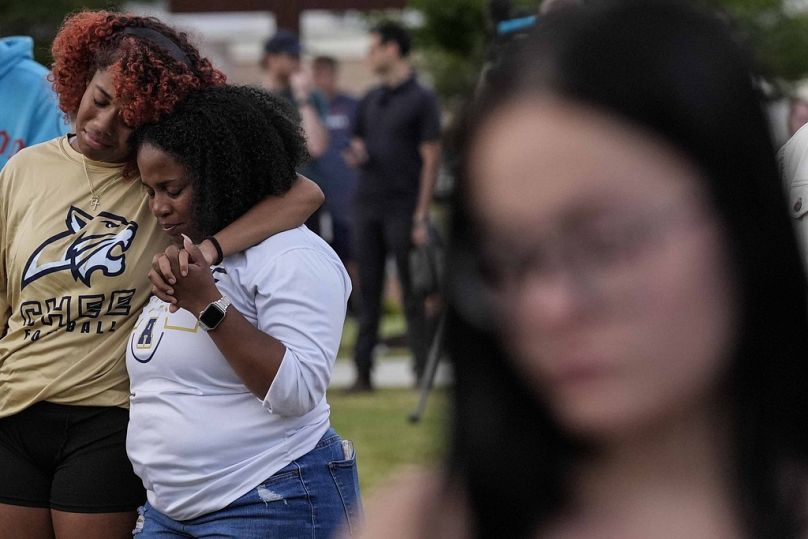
(238, 144)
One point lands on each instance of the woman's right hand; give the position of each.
(164, 274)
(171, 271)
(165, 268)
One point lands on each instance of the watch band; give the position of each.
(211, 316)
(218, 246)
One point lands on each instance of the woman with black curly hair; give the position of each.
(76, 245)
(229, 425)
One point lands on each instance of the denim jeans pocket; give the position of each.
(346, 479)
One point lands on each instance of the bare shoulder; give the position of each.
(415, 504)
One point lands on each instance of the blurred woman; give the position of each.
(76, 245)
(229, 426)
(628, 308)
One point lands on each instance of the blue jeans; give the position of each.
(313, 497)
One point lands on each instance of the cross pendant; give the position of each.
(95, 201)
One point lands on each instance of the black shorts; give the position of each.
(68, 458)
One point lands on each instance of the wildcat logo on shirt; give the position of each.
(97, 243)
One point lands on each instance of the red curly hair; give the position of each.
(148, 81)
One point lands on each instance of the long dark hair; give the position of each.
(676, 72)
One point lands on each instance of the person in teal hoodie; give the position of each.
(29, 112)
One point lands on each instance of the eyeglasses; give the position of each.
(600, 255)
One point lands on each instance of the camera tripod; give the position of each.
(430, 369)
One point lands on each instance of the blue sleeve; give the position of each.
(47, 120)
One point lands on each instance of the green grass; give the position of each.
(392, 324)
(384, 438)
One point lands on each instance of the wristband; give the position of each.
(219, 253)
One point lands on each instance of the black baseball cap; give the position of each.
(283, 42)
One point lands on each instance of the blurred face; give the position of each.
(607, 265)
(169, 189)
(380, 55)
(101, 134)
(325, 78)
(282, 65)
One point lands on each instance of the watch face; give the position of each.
(211, 316)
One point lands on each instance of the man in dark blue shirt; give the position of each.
(396, 144)
(338, 179)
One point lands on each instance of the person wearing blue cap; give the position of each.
(285, 77)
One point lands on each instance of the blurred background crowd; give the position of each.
(453, 41)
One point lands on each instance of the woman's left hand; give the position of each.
(193, 288)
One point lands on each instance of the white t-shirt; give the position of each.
(197, 436)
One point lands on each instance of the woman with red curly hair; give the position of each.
(76, 244)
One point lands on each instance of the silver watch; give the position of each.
(212, 315)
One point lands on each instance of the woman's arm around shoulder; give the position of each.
(272, 215)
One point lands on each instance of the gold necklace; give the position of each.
(95, 198)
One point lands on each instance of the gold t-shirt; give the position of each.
(72, 278)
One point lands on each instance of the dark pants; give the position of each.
(68, 458)
(379, 234)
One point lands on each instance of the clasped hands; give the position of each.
(182, 278)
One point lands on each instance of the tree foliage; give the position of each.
(455, 34)
(777, 31)
(40, 19)
(451, 43)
